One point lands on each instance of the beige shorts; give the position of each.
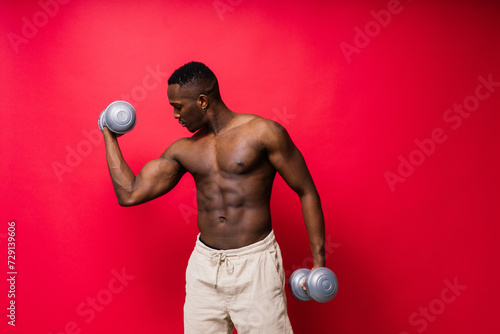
(242, 288)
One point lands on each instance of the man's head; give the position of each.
(192, 88)
(197, 77)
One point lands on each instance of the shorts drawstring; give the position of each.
(218, 258)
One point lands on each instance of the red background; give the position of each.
(395, 247)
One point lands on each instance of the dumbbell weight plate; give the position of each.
(120, 117)
(100, 121)
(295, 281)
(322, 285)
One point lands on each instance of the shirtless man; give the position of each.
(235, 275)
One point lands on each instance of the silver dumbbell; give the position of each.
(118, 117)
(321, 284)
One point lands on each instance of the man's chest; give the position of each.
(235, 154)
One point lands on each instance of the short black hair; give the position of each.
(193, 73)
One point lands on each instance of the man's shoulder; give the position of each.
(259, 123)
(266, 132)
(179, 143)
(172, 151)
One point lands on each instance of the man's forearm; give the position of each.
(315, 225)
(121, 174)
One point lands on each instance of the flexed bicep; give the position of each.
(155, 179)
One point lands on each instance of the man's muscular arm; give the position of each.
(289, 162)
(156, 178)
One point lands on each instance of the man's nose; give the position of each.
(176, 115)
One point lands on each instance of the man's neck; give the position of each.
(219, 118)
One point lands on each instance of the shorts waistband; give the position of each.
(258, 246)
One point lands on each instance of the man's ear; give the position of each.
(202, 101)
